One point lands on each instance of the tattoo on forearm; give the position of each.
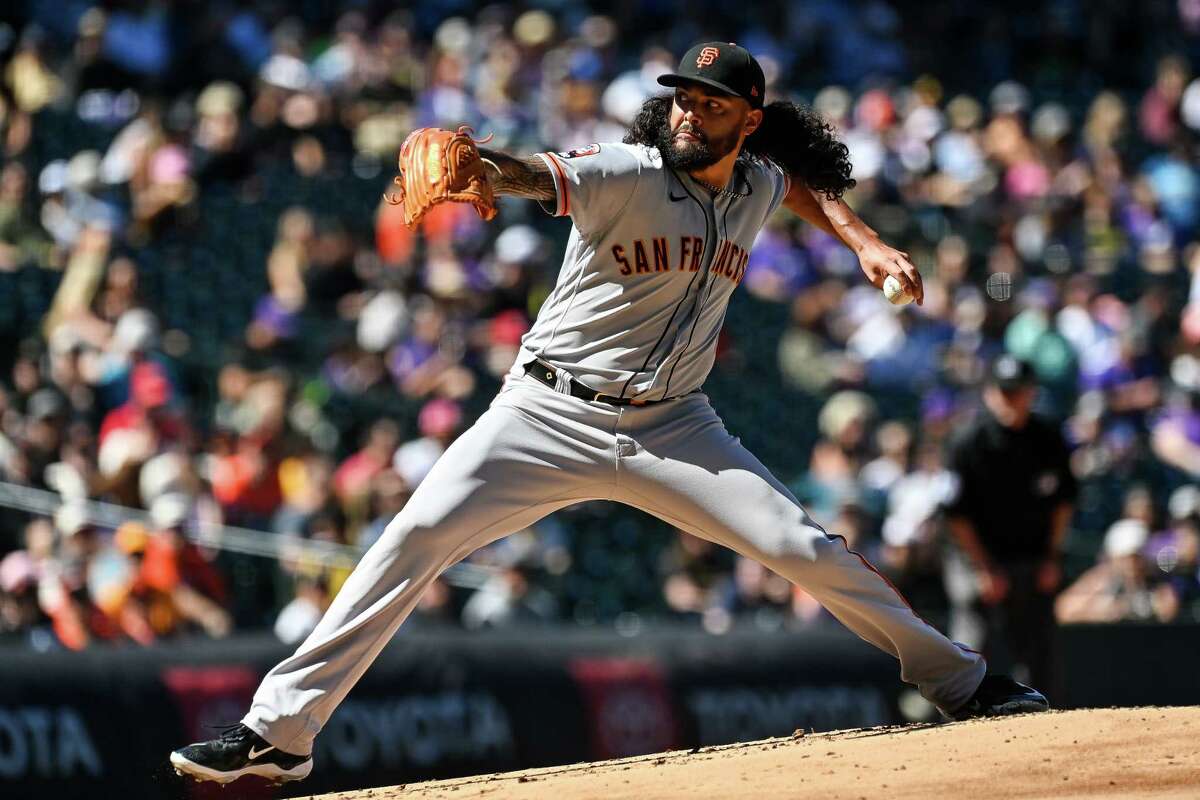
(520, 177)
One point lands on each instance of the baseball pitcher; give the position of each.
(604, 400)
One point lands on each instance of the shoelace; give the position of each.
(230, 733)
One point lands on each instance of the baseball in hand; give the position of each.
(894, 291)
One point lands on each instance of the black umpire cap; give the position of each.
(1009, 373)
(724, 66)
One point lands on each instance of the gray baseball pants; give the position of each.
(537, 450)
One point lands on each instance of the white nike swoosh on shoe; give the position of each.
(253, 754)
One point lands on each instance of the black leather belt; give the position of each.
(543, 372)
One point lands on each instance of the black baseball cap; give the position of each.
(1009, 373)
(724, 66)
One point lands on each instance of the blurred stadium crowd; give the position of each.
(207, 313)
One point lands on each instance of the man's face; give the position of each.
(704, 127)
(1011, 406)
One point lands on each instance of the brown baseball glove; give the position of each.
(438, 165)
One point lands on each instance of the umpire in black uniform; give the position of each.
(1009, 517)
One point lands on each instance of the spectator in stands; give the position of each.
(1176, 432)
(809, 361)
(845, 424)
(752, 592)
(175, 585)
(1174, 555)
(439, 423)
(507, 598)
(276, 315)
(503, 338)
(21, 618)
(135, 431)
(692, 568)
(220, 146)
(1177, 557)
(298, 618)
(911, 553)
(22, 240)
(352, 481)
(389, 493)
(307, 483)
(112, 579)
(427, 360)
(44, 430)
(244, 460)
(894, 444)
(1120, 587)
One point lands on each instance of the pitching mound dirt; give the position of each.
(1127, 753)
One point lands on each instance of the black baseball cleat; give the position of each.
(239, 751)
(999, 695)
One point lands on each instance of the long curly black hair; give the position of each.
(794, 137)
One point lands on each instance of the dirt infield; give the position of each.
(1127, 753)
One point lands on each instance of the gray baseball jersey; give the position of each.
(652, 261)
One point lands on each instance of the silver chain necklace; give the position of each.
(716, 190)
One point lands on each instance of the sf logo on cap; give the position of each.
(707, 56)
